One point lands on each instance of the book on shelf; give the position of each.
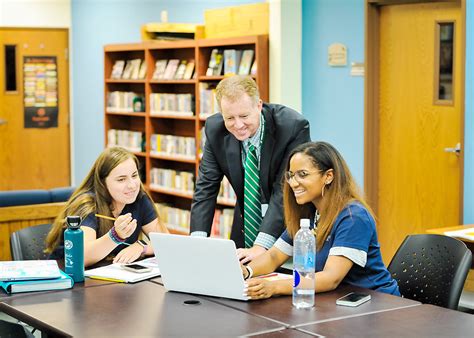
(253, 70)
(170, 70)
(231, 61)
(188, 73)
(33, 275)
(467, 233)
(160, 67)
(174, 218)
(134, 73)
(117, 69)
(142, 72)
(127, 72)
(28, 270)
(172, 180)
(215, 63)
(116, 273)
(246, 62)
(179, 75)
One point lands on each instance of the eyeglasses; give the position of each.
(299, 175)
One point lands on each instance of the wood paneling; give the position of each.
(15, 218)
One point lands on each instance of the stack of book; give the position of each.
(173, 69)
(231, 61)
(129, 70)
(25, 276)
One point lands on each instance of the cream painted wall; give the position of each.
(35, 13)
(285, 52)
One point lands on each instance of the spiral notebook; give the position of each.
(29, 270)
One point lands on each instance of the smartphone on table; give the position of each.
(134, 267)
(353, 299)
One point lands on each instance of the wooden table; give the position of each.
(280, 309)
(99, 308)
(128, 310)
(417, 321)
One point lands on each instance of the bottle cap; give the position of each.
(73, 222)
(304, 223)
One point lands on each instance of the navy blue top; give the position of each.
(354, 228)
(142, 210)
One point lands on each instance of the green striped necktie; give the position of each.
(252, 204)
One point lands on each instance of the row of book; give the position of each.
(173, 145)
(133, 141)
(172, 180)
(179, 219)
(172, 104)
(231, 61)
(125, 102)
(221, 62)
(226, 192)
(208, 104)
(174, 218)
(129, 70)
(222, 223)
(173, 69)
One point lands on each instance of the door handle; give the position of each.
(456, 149)
(3, 121)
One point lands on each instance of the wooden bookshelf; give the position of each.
(168, 124)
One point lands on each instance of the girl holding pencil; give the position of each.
(114, 208)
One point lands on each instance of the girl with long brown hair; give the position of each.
(111, 188)
(319, 186)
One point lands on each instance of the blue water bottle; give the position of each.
(74, 248)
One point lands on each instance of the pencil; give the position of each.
(107, 279)
(106, 217)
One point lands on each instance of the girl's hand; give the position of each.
(125, 225)
(130, 254)
(259, 288)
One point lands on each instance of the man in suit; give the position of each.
(246, 134)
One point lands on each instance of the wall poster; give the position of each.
(40, 74)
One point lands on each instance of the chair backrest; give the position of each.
(431, 269)
(28, 243)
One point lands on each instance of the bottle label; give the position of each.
(296, 278)
(310, 262)
(68, 244)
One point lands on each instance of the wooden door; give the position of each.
(33, 158)
(419, 182)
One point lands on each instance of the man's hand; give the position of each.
(247, 255)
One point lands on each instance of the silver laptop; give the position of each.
(206, 266)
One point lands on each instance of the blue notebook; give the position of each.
(60, 283)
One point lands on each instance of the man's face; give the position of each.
(242, 116)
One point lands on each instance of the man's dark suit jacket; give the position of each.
(284, 130)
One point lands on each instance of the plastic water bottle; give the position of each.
(74, 248)
(304, 262)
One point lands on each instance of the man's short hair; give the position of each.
(233, 87)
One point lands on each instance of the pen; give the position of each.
(105, 217)
(108, 279)
(269, 275)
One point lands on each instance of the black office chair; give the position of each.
(431, 269)
(28, 243)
